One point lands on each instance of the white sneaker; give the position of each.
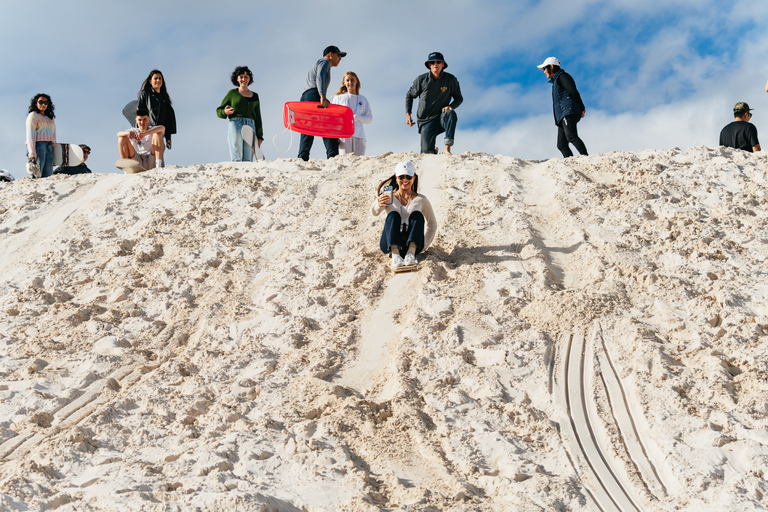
(410, 260)
(397, 260)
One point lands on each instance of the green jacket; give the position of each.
(244, 107)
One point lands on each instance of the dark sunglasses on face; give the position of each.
(42, 102)
(405, 177)
(86, 152)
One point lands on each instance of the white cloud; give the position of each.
(645, 86)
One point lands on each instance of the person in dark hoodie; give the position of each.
(567, 107)
(439, 95)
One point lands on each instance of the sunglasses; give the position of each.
(86, 152)
(42, 102)
(433, 62)
(405, 177)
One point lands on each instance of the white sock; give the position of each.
(159, 164)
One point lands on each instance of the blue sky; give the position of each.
(653, 74)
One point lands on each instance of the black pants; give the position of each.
(567, 132)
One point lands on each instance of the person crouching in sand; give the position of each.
(411, 224)
(143, 144)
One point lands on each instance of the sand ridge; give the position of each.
(183, 339)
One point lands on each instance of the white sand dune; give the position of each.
(584, 334)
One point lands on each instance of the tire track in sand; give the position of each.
(605, 477)
(582, 366)
(95, 396)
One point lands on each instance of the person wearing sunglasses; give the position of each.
(740, 134)
(411, 225)
(41, 133)
(439, 96)
(75, 169)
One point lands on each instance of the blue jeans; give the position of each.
(305, 143)
(239, 151)
(430, 130)
(44, 151)
(401, 235)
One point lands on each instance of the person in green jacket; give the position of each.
(241, 107)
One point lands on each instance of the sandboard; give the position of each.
(129, 112)
(409, 268)
(249, 136)
(67, 155)
(309, 118)
(129, 165)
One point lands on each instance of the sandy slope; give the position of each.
(583, 332)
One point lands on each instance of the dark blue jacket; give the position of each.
(566, 100)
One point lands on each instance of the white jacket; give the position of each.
(360, 108)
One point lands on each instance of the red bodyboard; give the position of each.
(307, 117)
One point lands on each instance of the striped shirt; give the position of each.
(39, 128)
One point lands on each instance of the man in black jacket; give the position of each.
(435, 113)
(566, 105)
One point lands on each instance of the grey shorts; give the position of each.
(146, 161)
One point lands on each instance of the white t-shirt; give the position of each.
(142, 146)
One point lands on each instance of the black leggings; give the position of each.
(567, 132)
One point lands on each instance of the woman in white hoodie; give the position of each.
(349, 96)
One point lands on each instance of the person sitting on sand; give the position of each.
(75, 169)
(740, 134)
(143, 144)
(407, 213)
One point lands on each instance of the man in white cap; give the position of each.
(566, 105)
(439, 95)
(740, 134)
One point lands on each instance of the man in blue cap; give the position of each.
(439, 95)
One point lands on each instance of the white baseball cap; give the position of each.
(551, 61)
(405, 169)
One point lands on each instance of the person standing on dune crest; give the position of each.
(439, 96)
(318, 79)
(566, 105)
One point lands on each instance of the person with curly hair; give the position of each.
(41, 133)
(154, 97)
(349, 96)
(241, 106)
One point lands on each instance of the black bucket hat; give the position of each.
(435, 56)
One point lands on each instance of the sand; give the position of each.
(584, 334)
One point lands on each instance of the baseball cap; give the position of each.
(405, 169)
(551, 61)
(742, 106)
(435, 56)
(333, 49)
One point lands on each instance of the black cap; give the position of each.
(334, 49)
(435, 56)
